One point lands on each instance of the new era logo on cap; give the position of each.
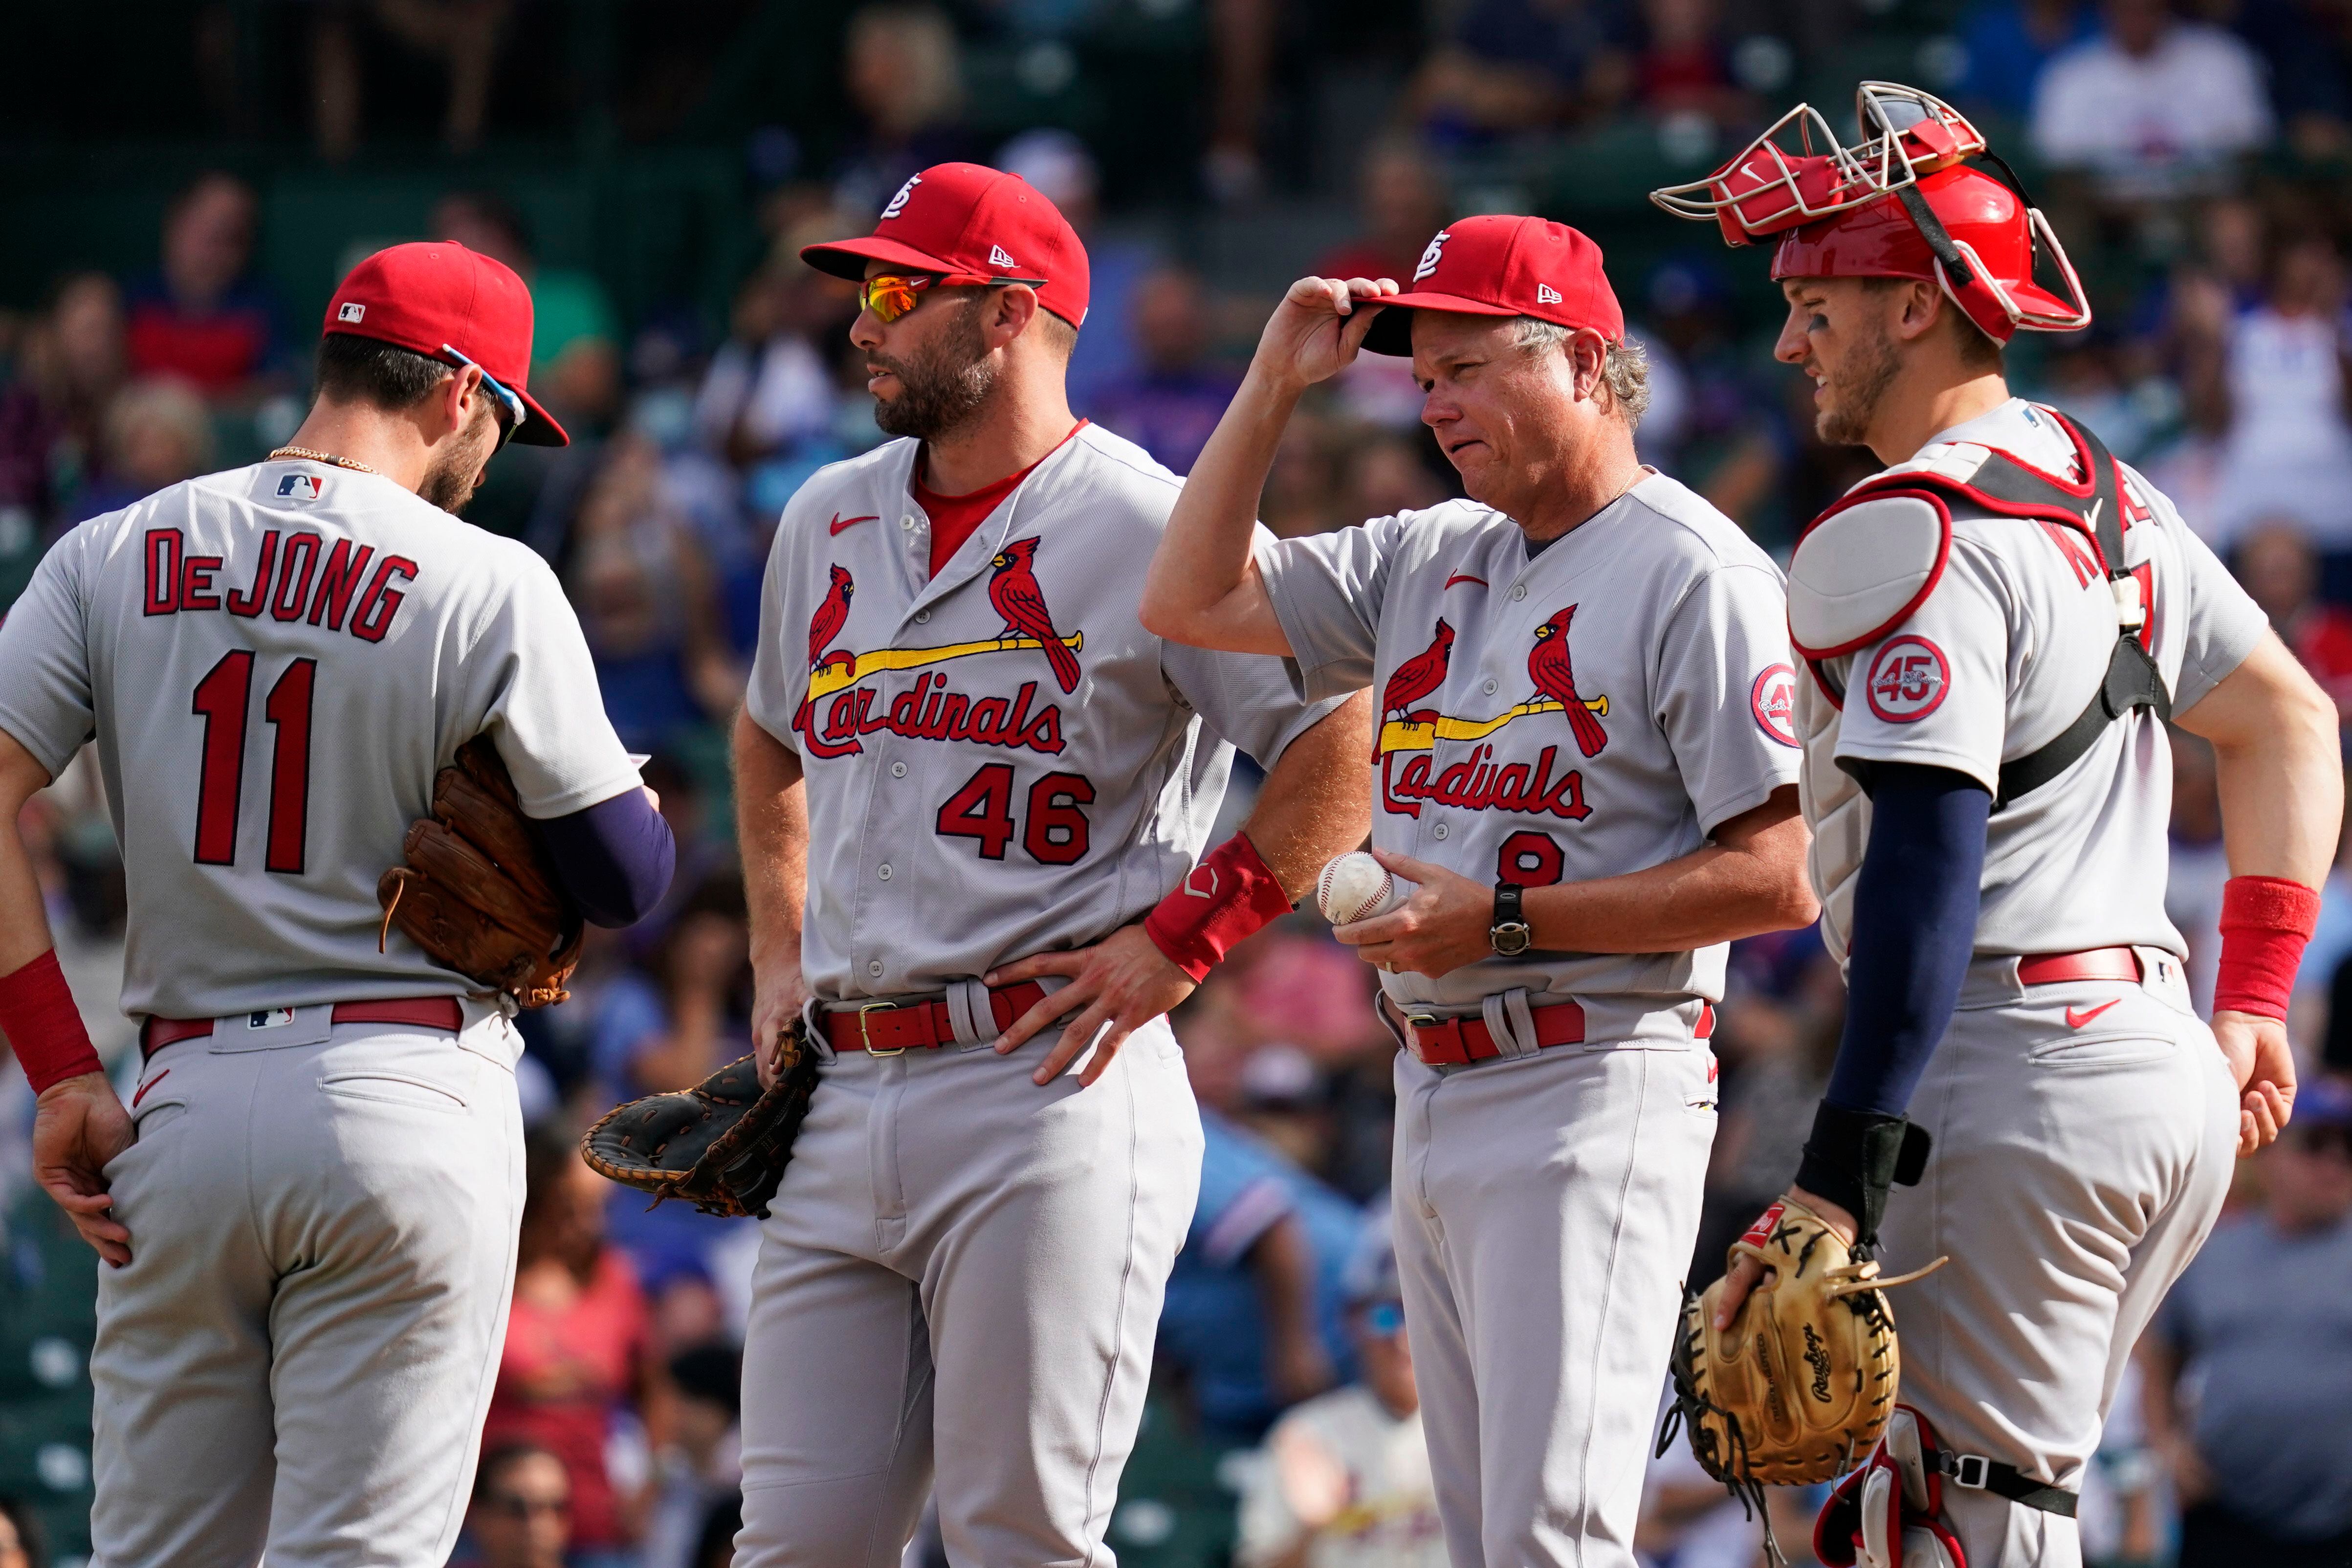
(999, 257)
(1547, 295)
(352, 311)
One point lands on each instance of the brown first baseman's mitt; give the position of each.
(721, 1145)
(479, 894)
(1800, 1387)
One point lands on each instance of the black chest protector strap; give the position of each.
(2009, 488)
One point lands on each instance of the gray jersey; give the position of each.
(1000, 759)
(274, 662)
(2009, 627)
(1592, 710)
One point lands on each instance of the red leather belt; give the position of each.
(886, 1028)
(2091, 963)
(1456, 1042)
(424, 1012)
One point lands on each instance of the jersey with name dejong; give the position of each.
(275, 661)
(2010, 627)
(1596, 709)
(999, 760)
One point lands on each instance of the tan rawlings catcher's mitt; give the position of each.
(1801, 1385)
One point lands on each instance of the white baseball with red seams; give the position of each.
(274, 662)
(1355, 887)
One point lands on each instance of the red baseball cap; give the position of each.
(972, 222)
(434, 297)
(1498, 266)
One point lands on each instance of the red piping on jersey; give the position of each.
(1813, 667)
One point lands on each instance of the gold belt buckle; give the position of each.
(867, 1040)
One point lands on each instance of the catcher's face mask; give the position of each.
(1903, 201)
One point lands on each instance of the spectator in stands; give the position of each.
(1400, 201)
(2274, 379)
(648, 602)
(686, 1014)
(2261, 1325)
(1345, 1481)
(578, 1349)
(2276, 564)
(905, 76)
(702, 1468)
(2307, 47)
(2009, 42)
(69, 367)
(1178, 393)
(2151, 102)
(156, 433)
(768, 389)
(202, 316)
(576, 337)
(1512, 66)
(1252, 1318)
(1684, 65)
(1058, 164)
(521, 1516)
(461, 35)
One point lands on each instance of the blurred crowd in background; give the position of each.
(2195, 157)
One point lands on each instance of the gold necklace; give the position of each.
(305, 452)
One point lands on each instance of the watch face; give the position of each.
(1510, 940)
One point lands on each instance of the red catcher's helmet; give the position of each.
(1902, 202)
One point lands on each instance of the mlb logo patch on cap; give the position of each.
(352, 311)
(301, 487)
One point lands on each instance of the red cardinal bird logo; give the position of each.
(1417, 678)
(1549, 668)
(831, 616)
(1014, 593)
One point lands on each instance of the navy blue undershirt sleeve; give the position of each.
(614, 857)
(1915, 922)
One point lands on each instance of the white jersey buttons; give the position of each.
(874, 969)
(1519, 590)
(883, 872)
(907, 522)
(898, 770)
(1438, 831)
(922, 618)
(1489, 687)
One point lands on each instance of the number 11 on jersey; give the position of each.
(223, 698)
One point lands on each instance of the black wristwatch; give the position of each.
(1510, 934)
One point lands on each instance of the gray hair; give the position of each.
(1625, 366)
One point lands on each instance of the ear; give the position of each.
(1919, 305)
(454, 399)
(1587, 359)
(1015, 308)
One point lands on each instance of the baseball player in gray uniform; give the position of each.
(1994, 631)
(1585, 760)
(974, 792)
(307, 1210)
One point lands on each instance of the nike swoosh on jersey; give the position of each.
(1463, 577)
(840, 522)
(2075, 1020)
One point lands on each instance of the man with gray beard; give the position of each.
(972, 811)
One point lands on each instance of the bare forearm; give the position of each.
(1751, 879)
(1317, 802)
(2277, 766)
(24, 914)
(1202, 588)
(1284, 1267)
(771, 828)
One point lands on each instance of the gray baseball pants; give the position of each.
(957, 1287)
(1545, 1208)
(298, 1356)
(2084, 1135)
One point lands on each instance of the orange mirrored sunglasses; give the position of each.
(890, 295)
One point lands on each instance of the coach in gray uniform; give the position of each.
(1585, 759)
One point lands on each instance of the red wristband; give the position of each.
(1228, 896)
(2265, 921)
(38, 1016)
